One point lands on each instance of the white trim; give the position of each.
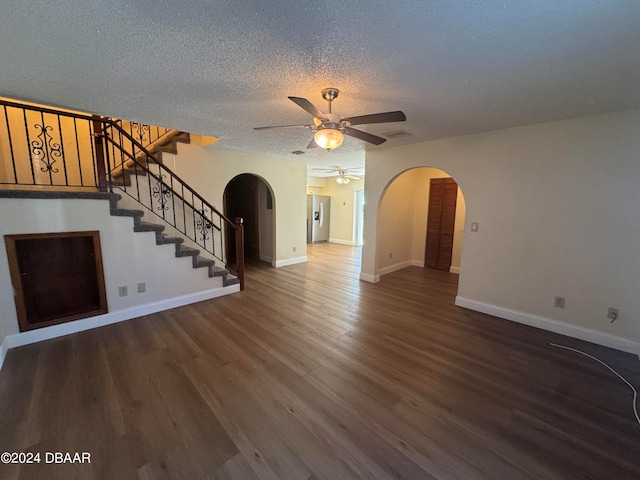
(4, 348)
(290, 261)
(455, 270)
(54, 331)
(340, 241)
(562, 328)
(400, 266)
(395, 267)
(369, 278)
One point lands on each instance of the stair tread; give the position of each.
(122, 176)
(202, 262)
(230, 280)
(183, 251)
(148, 226)
(127, 212)
(170, 239)
(128, 171)
(217, 271)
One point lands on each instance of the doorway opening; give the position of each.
(404, 214)
(358, 217)
(251, 197)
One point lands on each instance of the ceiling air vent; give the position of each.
(298, 152)
(397, 134)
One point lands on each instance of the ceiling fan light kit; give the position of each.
(328, 138)
(331, 128)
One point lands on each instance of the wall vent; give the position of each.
(298, 152)
(397, 134)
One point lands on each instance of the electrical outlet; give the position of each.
(142, 287)
(122, 291)
(294, 249)
(612, 313)
(558, 302)
(390, 255)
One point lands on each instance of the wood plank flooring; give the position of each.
(311, 374)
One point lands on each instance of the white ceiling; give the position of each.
(223, 67)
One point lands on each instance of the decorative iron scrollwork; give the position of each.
(203, 225)
(163, 193)
(140, 130)
(44, 149)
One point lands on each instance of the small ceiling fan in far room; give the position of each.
(330, 128)
(341, 175)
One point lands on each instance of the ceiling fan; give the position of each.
(330, 128)
(341, 175)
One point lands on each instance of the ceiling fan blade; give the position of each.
(280, 126)
(312, 144)
(309, 107)
(385, 117)
(352, 177)
(367, 137)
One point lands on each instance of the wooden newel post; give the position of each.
(101, 170)
(240, 250)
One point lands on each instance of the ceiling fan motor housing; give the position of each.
(330, 128)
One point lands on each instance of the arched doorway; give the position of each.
(405, 215)
(250, 197)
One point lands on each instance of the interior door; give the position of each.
(443, 195)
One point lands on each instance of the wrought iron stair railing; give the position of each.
(51, 149)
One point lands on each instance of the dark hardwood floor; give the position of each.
(311, 374)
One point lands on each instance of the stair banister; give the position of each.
(106, 131)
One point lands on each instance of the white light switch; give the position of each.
(474, 226)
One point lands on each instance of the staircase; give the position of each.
(181, 250)
(106, 157)
(123, 176)
(168, 144)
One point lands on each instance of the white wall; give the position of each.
(396, 223)
(557, 205)
(209, 170)
(342, 205)
(129, 257)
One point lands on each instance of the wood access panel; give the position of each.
(57, 277)
(441, 221)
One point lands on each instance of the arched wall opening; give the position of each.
(402, 216)
(251, 197)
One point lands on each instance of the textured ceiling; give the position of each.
(223, 67)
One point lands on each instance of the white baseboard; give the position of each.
(342, 242)
(290, 261)
(395, 267)
(562, 328)
(369, 278)
(54, 331)
(400, 266)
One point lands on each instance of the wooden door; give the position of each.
(441, 220)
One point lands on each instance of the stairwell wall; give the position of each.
(128, 258)
(208, 170)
